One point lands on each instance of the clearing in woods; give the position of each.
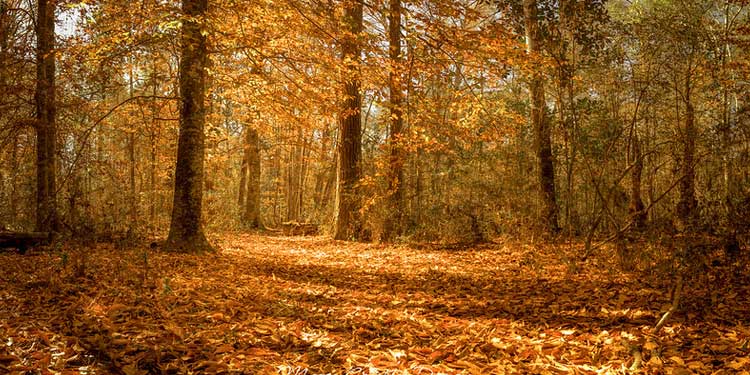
(309, 305)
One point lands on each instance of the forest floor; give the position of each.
(310, 305)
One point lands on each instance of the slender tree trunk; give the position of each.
(152, 161)
(569, 118)
(293, 178)
(46, 213)
(252, 155)
(330, 171)
(186, 231)
(418, 188)
(13, 185)
(686, 207)
(4, 62)
(542, 133)
(636, 207)
(322, 172)
(347, 221)
(726, 120)
(243, 176)
(302, 176)
(394, 222)
(277, 179)
(243, 180)
(133, 198)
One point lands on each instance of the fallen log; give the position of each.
(22, 240)
(293, 228)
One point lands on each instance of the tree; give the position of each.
(46, 133)
(395, 214)
(542, 133)
(186, 230)
(347, 221)
(251, 215)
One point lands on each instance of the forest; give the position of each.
(347, 187)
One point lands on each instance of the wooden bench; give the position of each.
(22, 240)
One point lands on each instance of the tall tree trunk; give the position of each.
(542, 133)
(277, 180)
(243, 175)
(686, 207)
(347, 221)
(13, 185)
(243, 180)
(186, 231)
(322, 172)
(636, 209)
(133, 198)
(726, 119)
(252, 155)
(394, 222)
(566, 97)
(46, 132)
(302, 175)
(293, 179)
(152, 151)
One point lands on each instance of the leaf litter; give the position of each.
(310, 305)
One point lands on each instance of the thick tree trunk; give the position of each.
(252, 203)
(542, 134)
(46, 212)
(347, 221)
(186, 231)
(394, 221)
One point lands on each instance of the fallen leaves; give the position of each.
(285, 305)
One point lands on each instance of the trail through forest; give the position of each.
(310, 305)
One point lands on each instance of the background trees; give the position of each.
(643, 106)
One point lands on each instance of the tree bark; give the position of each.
(133, 198)
(252, 203)
(542, 133)
(636, 209)
(186, 230)
(277, 178)
(686, 207)
(46, 132)
(347, 221)
(394, 221)
(322, 173)
(294, 170)
(243, 179)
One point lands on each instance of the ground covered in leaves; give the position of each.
(309, 305)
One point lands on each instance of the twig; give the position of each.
(635, 351)
(672, 308)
